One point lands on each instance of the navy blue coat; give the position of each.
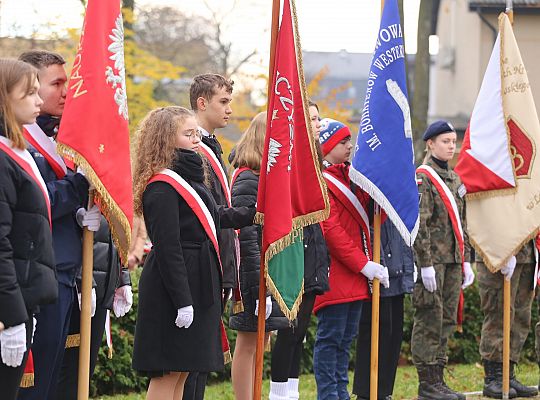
(399, 260)
(67, 195)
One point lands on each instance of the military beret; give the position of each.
(437, 128)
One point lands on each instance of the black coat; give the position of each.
(244, 193)
(27, 277)
(108, 272)
(316, 260)
(226, 236)
(182, 269)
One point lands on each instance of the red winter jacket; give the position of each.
(345, 245)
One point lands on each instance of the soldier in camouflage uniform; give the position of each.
(491, 342)
(436, 292)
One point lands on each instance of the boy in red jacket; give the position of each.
(347, 236)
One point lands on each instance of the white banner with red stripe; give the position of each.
(449, 202)
(218, 169)
(46, 147)
(27, 163)
(194, 201)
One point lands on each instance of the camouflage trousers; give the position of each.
(435, 314)
(491, 291)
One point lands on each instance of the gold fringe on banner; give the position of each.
(238, 307)
(227, 357)
(120, 228)
(496, 268)
(73, 341)
(27, 380)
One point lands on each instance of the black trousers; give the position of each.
(69, 372)
(10, 377)
(195, 386)
(390, 337)
(287, 351)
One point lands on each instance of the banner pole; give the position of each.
(259, 355)
(506, 340)
(86, 318)
(375, 297)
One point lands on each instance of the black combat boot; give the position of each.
(493, 381)
(443, 387)
(427, 387)
(521, 389)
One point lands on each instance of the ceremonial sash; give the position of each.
(451, 206)
(27, 163)
(194, 201)
(238, 305)
(218, 169)
(349, 200)
(46, 147)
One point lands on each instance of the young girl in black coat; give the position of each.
(27, 277)
(180, 296)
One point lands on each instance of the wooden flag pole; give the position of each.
(86, 318)
(259, 355)
(375, 297)
(506, 291)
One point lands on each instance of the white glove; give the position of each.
(184, 318)
(89, 218)
(13, 345)
(415, 273)
(123, 300)
(92, 304)
(468, 275)
(428, 278)
(268, 309)
(508, 269)
(33, 329)
(373, 270)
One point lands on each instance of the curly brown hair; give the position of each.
(155, 147)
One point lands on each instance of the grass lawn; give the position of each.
(465, 378)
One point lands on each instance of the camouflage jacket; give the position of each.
(436, 242)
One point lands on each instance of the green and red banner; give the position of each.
(292, 193)
(94, 131)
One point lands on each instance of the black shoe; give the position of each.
(521, 389)
(443, 387)
(428, 388)
(493, 381)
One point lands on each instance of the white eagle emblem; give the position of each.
(117, 76)
(273, 152)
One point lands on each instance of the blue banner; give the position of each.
(383, 160)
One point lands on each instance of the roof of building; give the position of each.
(500, 5)
(341, 64)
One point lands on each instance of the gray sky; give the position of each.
(324, 25)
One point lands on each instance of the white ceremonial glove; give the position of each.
(428, 278)
(123, 300)
(268, 307)
(373, 270)
(92, 304)
(415, 273)
(184, 318)
(89, 218)
(13, 345)
(468, 275)
(508, 269)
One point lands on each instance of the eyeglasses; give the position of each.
(193, 135)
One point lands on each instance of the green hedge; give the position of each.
(116, 375)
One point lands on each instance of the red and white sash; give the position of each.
(194, 201)
(449, 202)
(46, 147)
(27, 163)
(349, 200)
(218, 169)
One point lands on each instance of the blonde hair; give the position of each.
(250, 147)
(155, 147)
(428, 155)
(12, 72)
